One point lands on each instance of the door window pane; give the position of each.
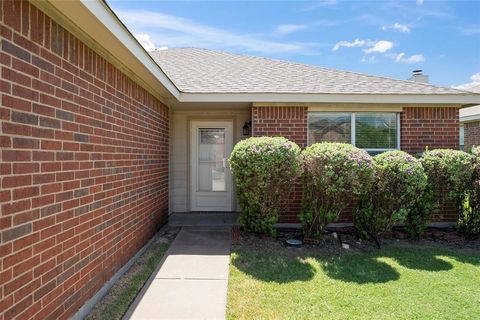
(329, 127)
(211, 159)
(376, 130)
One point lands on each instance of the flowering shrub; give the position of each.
(264, 170)
(399, 180)
(469, 217)
(449, 173)
(332, 174)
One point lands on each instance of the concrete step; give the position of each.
(197, 219)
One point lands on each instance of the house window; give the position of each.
(373, 131)
(461, 136)
(332, 127)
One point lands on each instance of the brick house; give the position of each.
(470, 125)
(101, 141)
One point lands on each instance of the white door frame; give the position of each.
(216, 197)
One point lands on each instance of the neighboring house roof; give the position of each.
(196, 70)
(475, 89)
(471, 113)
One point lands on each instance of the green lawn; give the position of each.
(117, 302)
(397, 282)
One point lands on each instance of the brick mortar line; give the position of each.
(76, 234)
(122, 104)
(150, 186)
(62, 60)
(117, 105)
(64, 270)
(130, 135)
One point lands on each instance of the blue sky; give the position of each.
(388, 38)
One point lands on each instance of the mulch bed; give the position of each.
(338, 240)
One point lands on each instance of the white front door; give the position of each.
(211, 180)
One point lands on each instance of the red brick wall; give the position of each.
(430, 127)
(84, 170)
(472, 134)
(288, 122)
(434, 128)
(291, 123)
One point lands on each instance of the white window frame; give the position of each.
(353, 129)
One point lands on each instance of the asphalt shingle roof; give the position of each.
(196, 70)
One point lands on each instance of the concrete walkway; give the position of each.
(191, 281)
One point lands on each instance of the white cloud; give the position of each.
(401, 27)
(319, 3)
(419, 2)
(397, 26)
(402, 58)
(381, 46)
(174, 31)
(471, 30)
(145, 41)
(286, 29)
(474, 82)
(356, 43)
(370, 59)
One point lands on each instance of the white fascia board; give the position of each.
(472, 118)
(95, 20)
(459, 99)
(100, 10)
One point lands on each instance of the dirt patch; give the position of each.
(346, 241)
(118, 299)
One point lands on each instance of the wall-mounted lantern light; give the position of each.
(247, 128)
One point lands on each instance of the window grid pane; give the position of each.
(329, 127)
(376, 130)
(211, 157)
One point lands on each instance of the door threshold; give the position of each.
(203, 218)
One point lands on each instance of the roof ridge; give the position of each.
(317, 67)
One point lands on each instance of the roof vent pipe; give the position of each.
(418, 76)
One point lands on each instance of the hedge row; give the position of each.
(389, 188)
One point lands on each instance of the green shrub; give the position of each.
(332, 174)
(449, 174)
(469, 217)
(265, 169)
(419, 213)
(399, 180)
